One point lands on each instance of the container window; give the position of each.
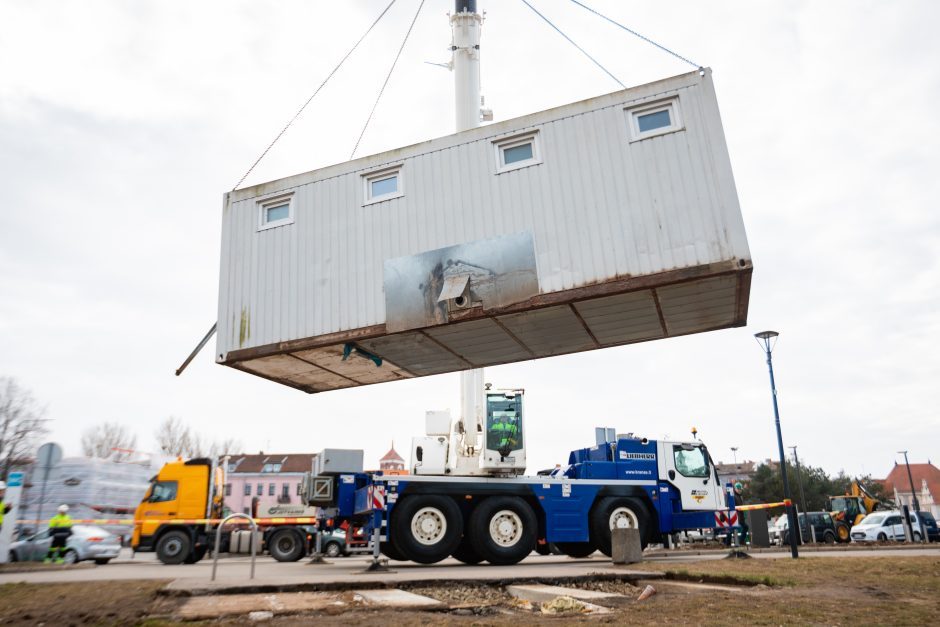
(277, 211)
(651, 120)
(517, 152)
(383, 185)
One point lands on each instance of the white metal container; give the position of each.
(603, 222)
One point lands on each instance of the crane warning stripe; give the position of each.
(307, 520)
(745, 508)
(726, 519)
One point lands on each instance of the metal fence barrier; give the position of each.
(218, 541)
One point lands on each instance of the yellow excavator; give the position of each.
(848, 509)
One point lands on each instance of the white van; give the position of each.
(881, 526)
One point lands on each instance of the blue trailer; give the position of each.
(654, 486)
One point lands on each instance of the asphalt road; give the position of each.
(234, 570)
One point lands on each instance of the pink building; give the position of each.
(273, 479)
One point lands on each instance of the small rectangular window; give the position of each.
(247, 489)
(285, 489)
(228, 489)
(654, 119)
(260, 491)
(271, 489)
(383, 185)
(516, 152)
(276, 211)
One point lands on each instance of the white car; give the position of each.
(881, 526)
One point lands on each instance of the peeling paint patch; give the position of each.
(244, 328)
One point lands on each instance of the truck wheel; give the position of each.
(197, 554)
(503, 529)
(466, 553)
(174, 547)
(576, 549)
(617, 512)
(842, 532)
(286, 545)
(426, 528)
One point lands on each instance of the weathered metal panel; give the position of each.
(607, 217)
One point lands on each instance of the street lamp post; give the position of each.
(734, 452)
(799, 478)
(767, 339)
(910, 478)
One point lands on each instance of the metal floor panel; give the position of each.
(622, 318)
(480, 342)
(549, 331)
(355, 367)
(416, 353)
(698, 305)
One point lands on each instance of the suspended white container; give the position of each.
(603, 222)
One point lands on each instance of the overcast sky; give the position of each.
(123, 123)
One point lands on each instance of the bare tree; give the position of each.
(231, 446)
(173, 437)
(109, 440)
(22, 424)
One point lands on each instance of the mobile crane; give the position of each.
(466, 496)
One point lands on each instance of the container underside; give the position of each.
(625, 311)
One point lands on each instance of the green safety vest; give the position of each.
(60, 520)
(3, 507)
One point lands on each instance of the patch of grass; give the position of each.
(92, 602)
(738, 579)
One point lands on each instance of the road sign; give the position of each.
(48, 455)
(12, 498)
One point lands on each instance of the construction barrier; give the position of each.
(175, 521)
(783, 503)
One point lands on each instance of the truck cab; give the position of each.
(182, 490)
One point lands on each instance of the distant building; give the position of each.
(732, 473)
(392, 463)
(926, 483)
(272, 479)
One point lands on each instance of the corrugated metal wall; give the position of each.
(600, 207)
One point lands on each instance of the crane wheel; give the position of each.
(389, 551)
(426, 528)
(503, 529)
(466, 553)
(617, 511)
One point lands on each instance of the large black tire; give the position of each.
(286, 545)
(503, 529)
(426, 528)
(611, 511)
(576, 549)
(466, 553)
(174, 547)
(197, 554)
(392, 553)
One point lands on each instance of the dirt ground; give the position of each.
(830, 591)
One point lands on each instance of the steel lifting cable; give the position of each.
(304, 106)
(387, 77)
(636, 34)
(571, 41)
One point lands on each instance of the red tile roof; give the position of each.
(293, 462)
(392, 456)
(898, 478)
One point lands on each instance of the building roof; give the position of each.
(898, 479)
(292, 462)
(392, 455)
(741, 468)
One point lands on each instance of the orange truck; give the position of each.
(181, 511)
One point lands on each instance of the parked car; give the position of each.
(881, 526)
(87, 542)
(930, 525)
(333, 543)
(819, 524)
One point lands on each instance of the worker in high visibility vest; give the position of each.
(60, 528)
(4, 507)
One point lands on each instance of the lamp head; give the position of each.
(766, 335)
